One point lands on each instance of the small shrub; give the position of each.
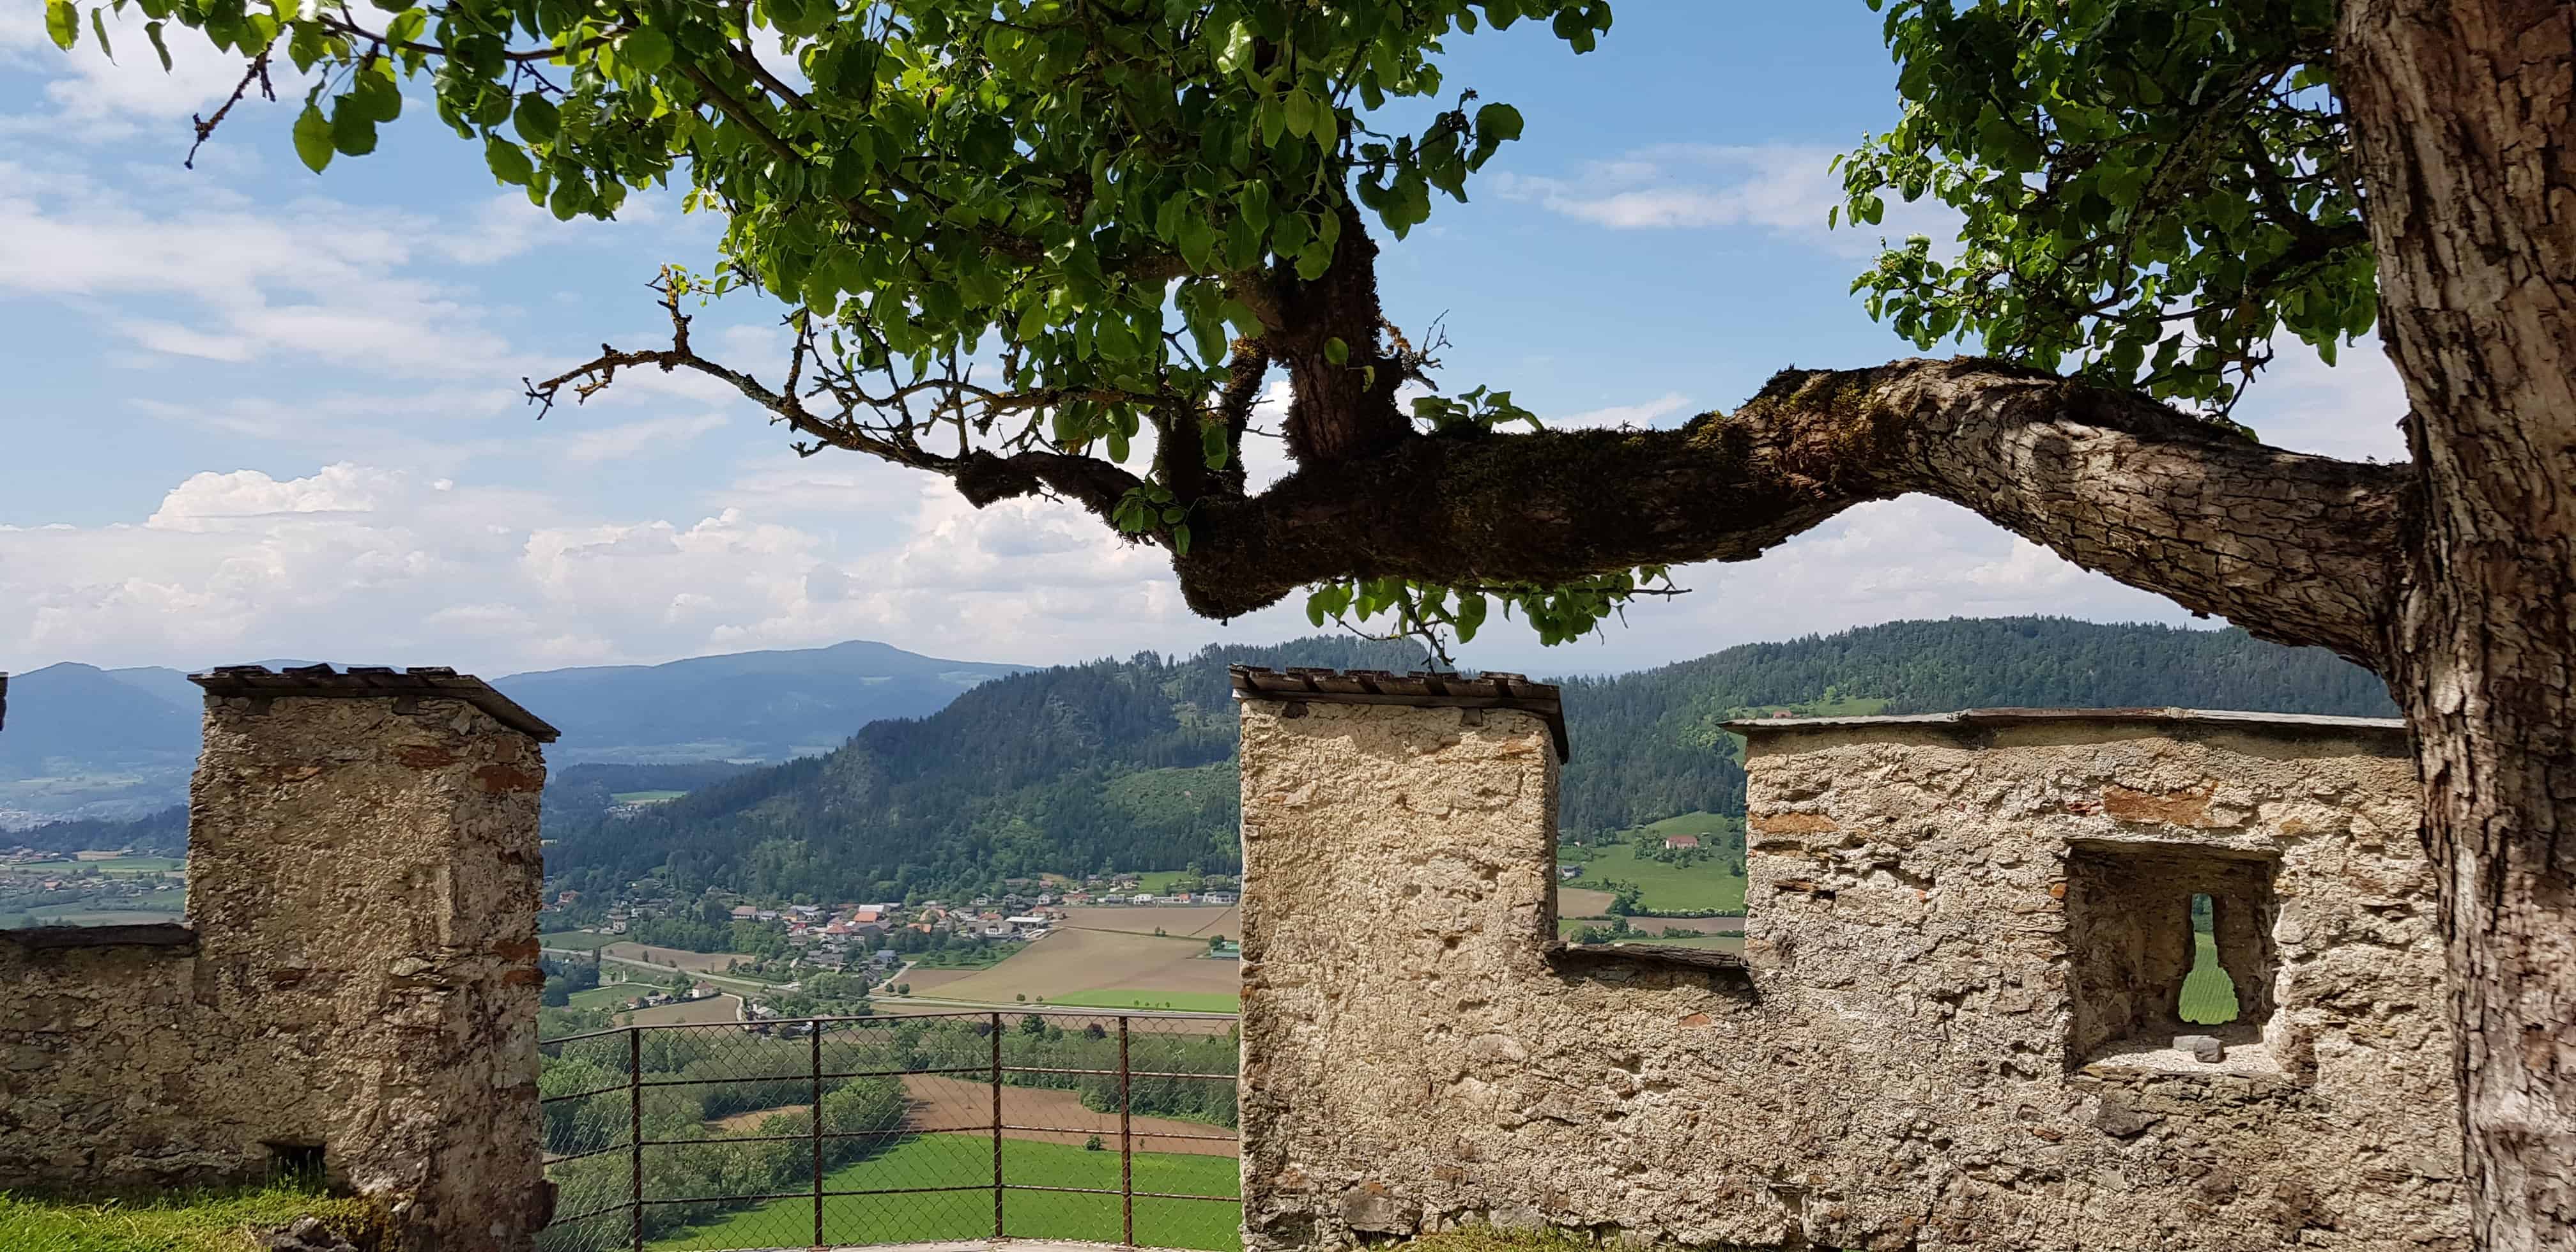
(1093, 1144)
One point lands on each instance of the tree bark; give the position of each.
(2296, 548)
(2464, 111)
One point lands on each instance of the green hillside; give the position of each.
(1128, 764)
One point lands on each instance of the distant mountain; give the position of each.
(754, 706)
(87, 742)
(1128, 765)
(83, 742)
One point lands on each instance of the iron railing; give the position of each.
(842, 1131)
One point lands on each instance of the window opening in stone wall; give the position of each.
(1672, 882)
(2144, 971)
(2208, 994)
(296, 1164)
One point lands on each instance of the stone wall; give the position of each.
(357, 974)
(1951, 1028)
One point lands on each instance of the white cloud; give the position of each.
(1645, 415)
(1783, 189)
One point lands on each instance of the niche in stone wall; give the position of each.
(2133, 943)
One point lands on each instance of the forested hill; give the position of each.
(1647, 744)
(1118, 764)
(1128, 764)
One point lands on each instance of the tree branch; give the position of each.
(2295, 548)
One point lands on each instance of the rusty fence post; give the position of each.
(635, 1130)
(814, 1122)
(997, 1125)
(1126, 1140)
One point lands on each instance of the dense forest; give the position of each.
(1647, 744)
(1113, 765)
(1128, 764)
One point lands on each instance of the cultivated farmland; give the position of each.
(1171, 919)
(1072, 961)
(715, 1008)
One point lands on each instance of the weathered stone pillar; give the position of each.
(364, 877)
(1398, 855)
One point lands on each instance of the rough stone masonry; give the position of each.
(1954, 1023)
(354, 989)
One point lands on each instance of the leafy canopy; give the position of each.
(2151, 188)
(1000, 226)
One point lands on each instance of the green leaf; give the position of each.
(648, 50)
(98, 27)
(353, 131)
(1498, 121)
(1337, 352)
(507, 161)
(535, 118)
(62, 21)
(1213, 447)
(1181, 539)
(152, 31)
(313, 139)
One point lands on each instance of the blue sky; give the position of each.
(257, 412)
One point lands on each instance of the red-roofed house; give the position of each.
(1681, 841)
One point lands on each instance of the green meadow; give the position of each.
(966, 1160)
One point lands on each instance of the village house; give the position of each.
(1675, 843)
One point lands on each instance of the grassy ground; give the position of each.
(967, 1161)
(610, 995)
(1187, 1001)
(1706, 885)
(645, 797)
(576, 940)
(2208, 994)
(1159, 881)
(213, 1221)
(115, 866)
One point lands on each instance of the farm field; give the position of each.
(966, 1159)
(676, 958)
(2208, 994)
(1706, 885)
(1072, 961)
(105, 865)
(1178, 1001)
(1173, 919)
(645, 797)
(608, 995)
(723, 1007)
(925, 980)
(1582, 902)
(576, 940)
(1566, 926)
(947, 1103)
(83, 915)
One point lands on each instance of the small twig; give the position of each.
(257, 72)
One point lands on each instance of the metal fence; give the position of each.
(849, 1131)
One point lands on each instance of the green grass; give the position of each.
(610, 995)
(644, 797)
(578, 940)
(120, 866)
(2208, 994)
(1706, 885)
(1158, 881)
(1120, 998)
(201, 1221)
(967, 1160)
(1692, 824)
(91, 915)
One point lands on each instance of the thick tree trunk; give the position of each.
(2466, 115)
